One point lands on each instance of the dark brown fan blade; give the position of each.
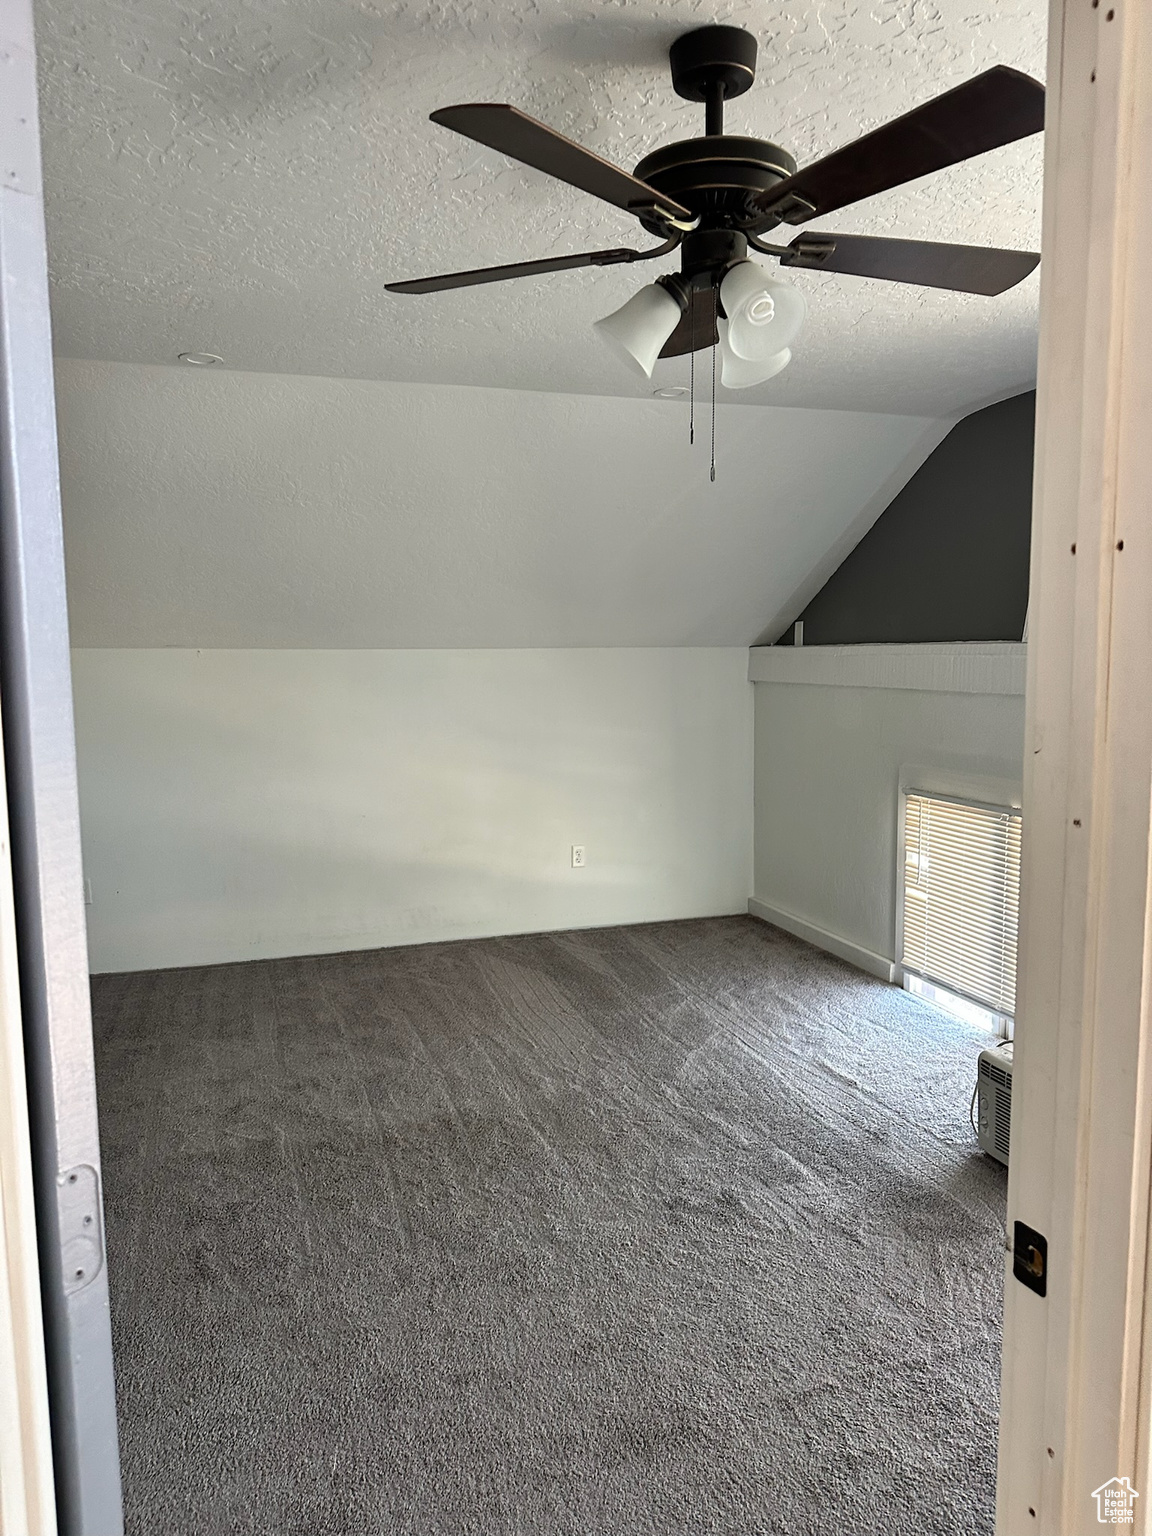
(965, 268)
(517, 269)
(513, 133)
(697, 328)
(995, 108)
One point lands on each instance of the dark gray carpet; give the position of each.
(677, 1228)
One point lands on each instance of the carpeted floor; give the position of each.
(668, 1229)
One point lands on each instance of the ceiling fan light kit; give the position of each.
(742, 373)
(638, 329)
(714, 197)
(764, 314)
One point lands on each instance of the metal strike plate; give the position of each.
(81, 1231)
(1030, 1258)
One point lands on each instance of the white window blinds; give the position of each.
(962, 897)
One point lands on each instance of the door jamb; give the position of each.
(44, 828)
(27, 1498)
(1075, 1384)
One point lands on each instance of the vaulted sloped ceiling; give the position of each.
(243, 178)
(229, 509)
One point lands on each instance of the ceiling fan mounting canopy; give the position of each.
(715, 195)
(713, 63)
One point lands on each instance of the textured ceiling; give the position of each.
(244, 177)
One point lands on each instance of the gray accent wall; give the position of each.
(948, 559)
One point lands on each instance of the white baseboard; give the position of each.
(843, 949)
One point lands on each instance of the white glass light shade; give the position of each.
(764, 315)
(638, 329)
(740, 373)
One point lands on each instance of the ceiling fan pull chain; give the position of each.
(715, 310)
(692, 367)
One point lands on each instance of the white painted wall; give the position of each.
(828, 765)
(246, 803)
(212, 508)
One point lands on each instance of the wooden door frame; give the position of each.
(27, 1500)
(1075, 1388)
(44, 829)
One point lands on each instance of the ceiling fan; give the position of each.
(714, 198)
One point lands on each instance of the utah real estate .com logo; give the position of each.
(1114, 1502)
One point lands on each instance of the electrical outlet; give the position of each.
(577, 855)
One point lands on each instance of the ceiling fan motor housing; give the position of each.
(717, 177)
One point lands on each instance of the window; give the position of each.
(962, 897)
